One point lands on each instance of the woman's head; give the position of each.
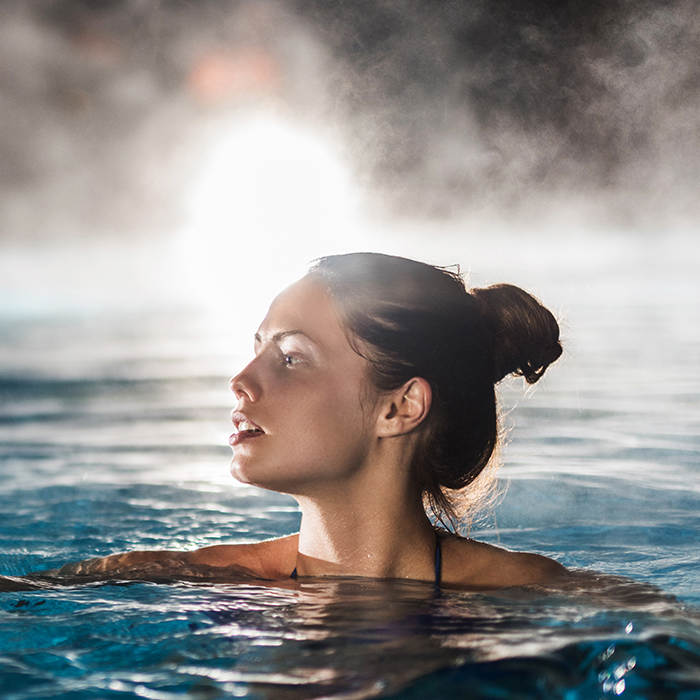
(409, 319)
(300, 425)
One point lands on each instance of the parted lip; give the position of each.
(241, 422)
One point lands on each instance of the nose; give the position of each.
(244, 385)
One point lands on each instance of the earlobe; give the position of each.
(406, 408)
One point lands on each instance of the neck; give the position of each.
(366, 528)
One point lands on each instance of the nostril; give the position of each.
(236, 387)
(244, 385)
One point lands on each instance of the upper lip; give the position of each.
(241, 422)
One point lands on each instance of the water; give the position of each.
(112, 437)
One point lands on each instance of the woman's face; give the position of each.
(300, 423)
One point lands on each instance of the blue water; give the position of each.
(112, 437)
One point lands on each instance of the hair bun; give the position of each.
(525, 334)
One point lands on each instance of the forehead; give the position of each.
(305, 306)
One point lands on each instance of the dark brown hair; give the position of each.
(413, 319)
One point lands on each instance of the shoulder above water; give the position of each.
(466, 564)
(270, 559)
(477, 565)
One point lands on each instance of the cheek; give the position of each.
(339, 425)
(321, 432)
(329, 437)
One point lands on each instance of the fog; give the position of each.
(465, 121)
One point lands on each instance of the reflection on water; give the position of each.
(112, 437)
(350, 639)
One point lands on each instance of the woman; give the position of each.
(370, 400)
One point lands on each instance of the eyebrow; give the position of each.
(283, 334)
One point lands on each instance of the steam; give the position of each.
(446, 109)
(524, 106)
(106, 109)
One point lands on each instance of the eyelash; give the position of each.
(289, 360)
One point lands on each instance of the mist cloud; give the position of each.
(509, 104)
(445, 108)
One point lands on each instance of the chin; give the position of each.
(270, 482)
(239, 474)
(252, 477)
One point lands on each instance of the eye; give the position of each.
(290, 360)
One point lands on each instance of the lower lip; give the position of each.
(238, 438)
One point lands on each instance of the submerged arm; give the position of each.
(153, 566)
(20, 583)
(157, 566)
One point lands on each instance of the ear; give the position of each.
(405, 409)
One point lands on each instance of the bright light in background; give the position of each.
(271, 198)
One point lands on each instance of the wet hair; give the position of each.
(410, 319)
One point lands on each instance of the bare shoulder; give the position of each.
(272, 559)
(473, 564)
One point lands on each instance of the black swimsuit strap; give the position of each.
(438, 563)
